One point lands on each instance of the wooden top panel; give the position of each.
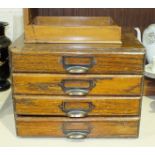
(130, 44)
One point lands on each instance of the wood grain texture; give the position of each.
(74, 21)
(37, 84)
(26, 16)
(98, 126)
(47, 34)
(71, 30)
(129, 44)
(105, 63)
(127, 58)
(103, 84)
(102, 106)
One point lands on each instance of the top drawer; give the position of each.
(126, 58)
(91, 63)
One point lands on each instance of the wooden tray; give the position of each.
(47, 29)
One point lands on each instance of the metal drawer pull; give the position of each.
(78, 68)
(76, 112)
(76, 133)
(77, 91)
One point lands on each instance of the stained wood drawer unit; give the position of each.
(78, 90)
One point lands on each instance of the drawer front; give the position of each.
(105, 63)
(96, 127)
(54, 84)
(76, 107)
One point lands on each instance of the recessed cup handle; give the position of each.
(76, 133)
(76, 113)
(77, 91)
(78, 68)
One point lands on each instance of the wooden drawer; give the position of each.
(61, 84)
(98, 62)
(96, 127)
(76, 107)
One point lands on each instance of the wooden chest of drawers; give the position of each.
(78, 90)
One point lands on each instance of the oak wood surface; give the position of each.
(51, 62)
(26, 17)
(77, 29)
(129, 44)
(101, 106)
(73, 21)
(37, 83)
(51, 84)
(98, 126)
(47, 34)
(127, 58)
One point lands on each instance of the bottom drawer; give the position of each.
(95, 127)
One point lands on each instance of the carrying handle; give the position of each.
(76, 112)
(78, 68)
(77, 91)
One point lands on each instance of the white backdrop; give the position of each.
(15, 19)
